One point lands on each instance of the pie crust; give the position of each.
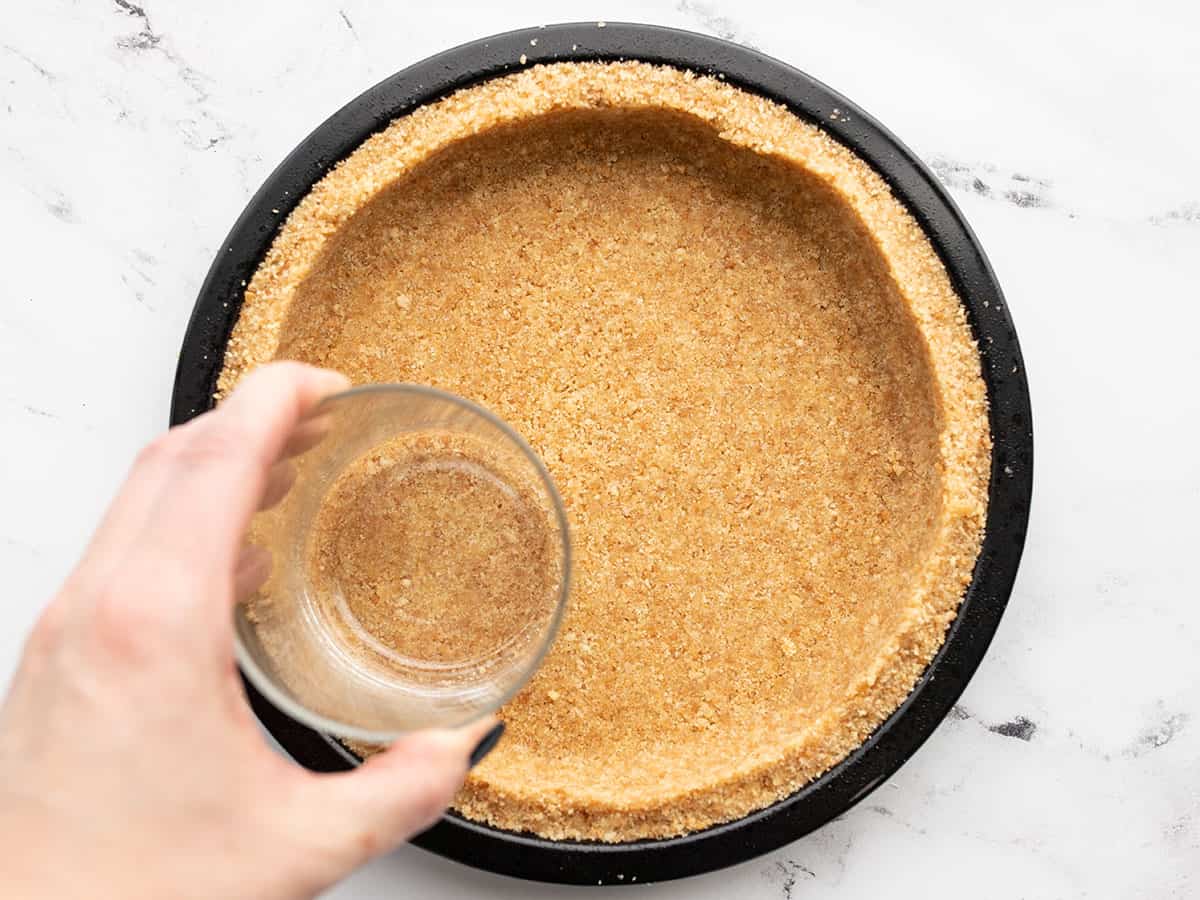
(749, 375)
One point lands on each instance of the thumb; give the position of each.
(401, 791)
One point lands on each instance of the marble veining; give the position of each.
(706, 17)
(132, 134)
(986, 180)
(1018, 727)
(204, 131)
(1187, 213)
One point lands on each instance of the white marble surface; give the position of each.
(131, 137)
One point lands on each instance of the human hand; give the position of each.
(130, 765)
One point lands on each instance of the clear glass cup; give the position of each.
(421, 564)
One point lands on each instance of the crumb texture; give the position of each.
(751, 380)
(431, 548)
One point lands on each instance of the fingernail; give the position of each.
(486, 745)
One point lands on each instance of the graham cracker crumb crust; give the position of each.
(439, 547)
(752, 382)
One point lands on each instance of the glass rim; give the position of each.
(285, 702)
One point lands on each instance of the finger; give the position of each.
(399, 792)
(252, 570)
(122, 525)
(280, 479)
(221, 460)
(276, 399)
(308, 434)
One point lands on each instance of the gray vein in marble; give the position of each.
(31, 62)
(839, 848)
(60, 207)
(40, 412)
(134, 10)
(116, 103)
(144, 39)
(707, 16)
(55, 201)
(786, 873)
(141, 263)
(886, 813)
(138, 294)
(349, 25)
(1185, 214)
(958, 713)
(202, 134)
(1019, 727)
(1183, 832)
(1158, 735)
(831, 844)
(145, 258)
(986, 180)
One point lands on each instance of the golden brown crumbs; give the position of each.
(749, 375)
(428, 547)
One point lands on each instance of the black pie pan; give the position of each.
(638, 862)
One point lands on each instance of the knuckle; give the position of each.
(122, 628)
(113, 611)
(48, 630)
(213, 438)
(219, 441)
(118, 641)
(158, 451)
